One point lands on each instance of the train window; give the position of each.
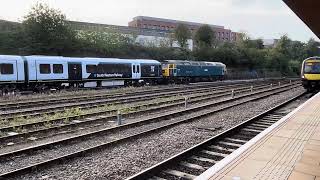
(312, 68)
(58, 68)
(6, 68)
(114, 69)
(138, 68)
(91, 68)
(134, 69)
(45, 69)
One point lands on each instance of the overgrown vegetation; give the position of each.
(68, 114)
(45, 31)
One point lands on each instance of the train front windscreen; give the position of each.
(312, 68)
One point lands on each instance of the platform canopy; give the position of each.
(308, 11)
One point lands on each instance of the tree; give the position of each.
(205, 36)
(312, 48)
(182, 34)
(46, 30)
(258, 43)
(242, 38)
(283, 46)
(298, 51)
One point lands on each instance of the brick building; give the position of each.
(147, 31)
(145, 22)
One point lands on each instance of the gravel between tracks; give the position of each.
(127, 159)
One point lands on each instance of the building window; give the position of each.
(58, 69)
(45, 69)
(6, 68)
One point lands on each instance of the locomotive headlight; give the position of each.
(302, 77)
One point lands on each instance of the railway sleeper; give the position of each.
(203, 159)
(251, 129)
(269, 121)
(192, 165)
(264, 123)
(242, 136)
(220, 148)
(249, 134)
(156, 178)
(180, 174)
(273, 117)
(256, 127)
(260, 125)
(190, 168)
(213, 153)
(200, 163)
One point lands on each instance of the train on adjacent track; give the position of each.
(39, 73)
(310, 73)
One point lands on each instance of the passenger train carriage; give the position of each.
(310, 73)
(44, 72)
(38, 72)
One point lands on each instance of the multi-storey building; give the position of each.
(147, 31)
(145, 22)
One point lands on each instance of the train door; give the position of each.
(8, 70)
(75, 71)
(136, 71)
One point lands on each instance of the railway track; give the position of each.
(37, 129)
(164, 119)
(102, 95)
(92, 91)
(194, 161)
(24, 113)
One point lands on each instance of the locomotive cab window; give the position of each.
(6, 68)
(164, 66)
(312, 67)
(58, 68)
(45, 69)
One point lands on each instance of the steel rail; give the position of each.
(129, 137)
(218, 146)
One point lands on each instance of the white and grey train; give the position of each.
(43, 72)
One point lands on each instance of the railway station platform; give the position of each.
(289, 149)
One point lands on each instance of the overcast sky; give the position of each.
(259, 18)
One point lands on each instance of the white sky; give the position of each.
(259, 18)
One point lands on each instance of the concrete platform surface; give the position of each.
(289, 149)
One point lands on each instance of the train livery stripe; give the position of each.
(312, 77)
(312, 61)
